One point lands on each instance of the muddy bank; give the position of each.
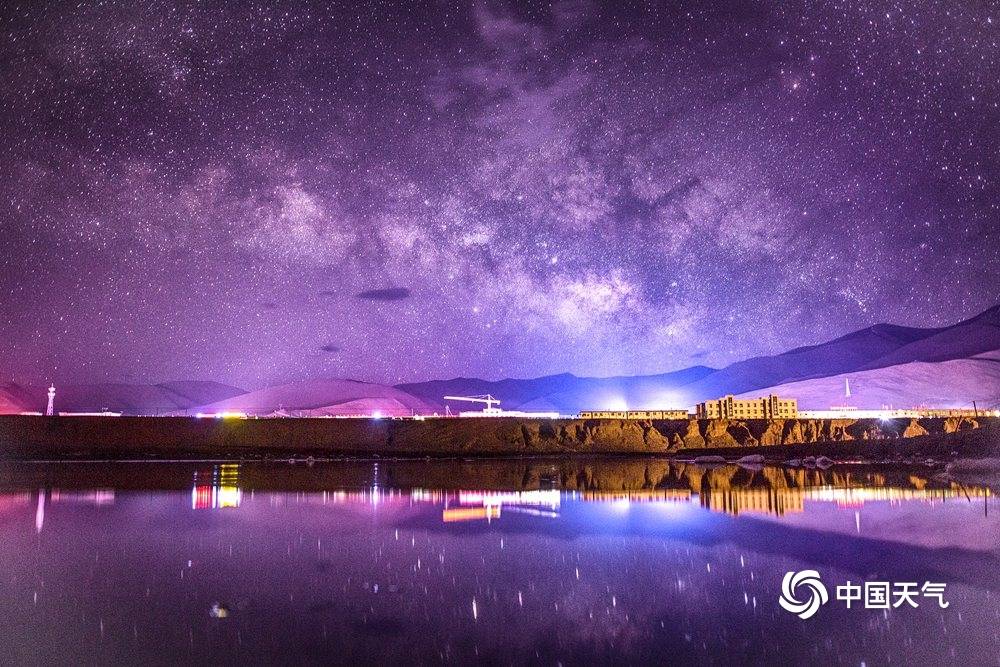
(111, 438)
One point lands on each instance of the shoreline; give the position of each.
(96, 438)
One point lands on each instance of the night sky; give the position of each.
(389, 192)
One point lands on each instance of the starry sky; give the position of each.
(259, 193)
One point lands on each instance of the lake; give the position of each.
(570, 561)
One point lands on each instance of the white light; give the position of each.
(616, 404)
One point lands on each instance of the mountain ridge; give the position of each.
(866, 356)
(878, 346)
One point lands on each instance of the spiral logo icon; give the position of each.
(808, 580)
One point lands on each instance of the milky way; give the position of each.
(261, 193)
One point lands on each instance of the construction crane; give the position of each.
(484, 398)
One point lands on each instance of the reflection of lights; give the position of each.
(95, 497)
(220, 491)
(531, 511)
(758, 500)
(215, 497)
(666, 496)
(550, 497)
(40, 511)
(228, 496)
(673, 505)
(201, 497)
(858, 496)
(16, 499)
(620, 505)
(454, 514)
(221, 415)
(670, 503)
(791, 500)
(490, 502)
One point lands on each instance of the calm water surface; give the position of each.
(502, 561)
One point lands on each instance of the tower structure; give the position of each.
(50, 408)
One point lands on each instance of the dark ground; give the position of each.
(159, 438)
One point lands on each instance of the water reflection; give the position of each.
(217, 489)
(578, 561)
(10, 501)
(729, 489)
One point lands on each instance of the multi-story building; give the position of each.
(634, 414)
(765, 407)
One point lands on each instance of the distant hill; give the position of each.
(11, 403)
(974, 336)
(681, 389)
(859, 349)
(875, 347)
(130, 399)
(322, 397)
(563, 393)
(955, 383)
(887, 365)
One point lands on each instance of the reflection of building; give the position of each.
(639, 496)
(760, 501)
(218, 489)
(487, 504)
(726, 489)
(765, 407)
(858, 496)
(792, 500)
(549, 497)
(634, 414)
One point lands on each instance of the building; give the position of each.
(764, 407)
(845, 412)
(754, 500)
(634, 414)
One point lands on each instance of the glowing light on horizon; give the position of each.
(666, 400)
(616, 404)
(221, 415)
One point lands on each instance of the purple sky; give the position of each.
(260, 193)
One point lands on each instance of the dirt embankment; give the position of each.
(24, 437)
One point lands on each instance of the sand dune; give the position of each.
(322, 397)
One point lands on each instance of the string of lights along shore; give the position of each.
(263, 193)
